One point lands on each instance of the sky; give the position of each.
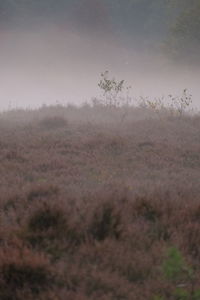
(49, 63)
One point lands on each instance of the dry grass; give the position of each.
(90, 205)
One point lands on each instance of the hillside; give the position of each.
(95, 205)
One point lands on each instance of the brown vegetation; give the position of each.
(90, 205)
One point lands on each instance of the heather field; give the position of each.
(99, 203)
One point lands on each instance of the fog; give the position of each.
(50, 64)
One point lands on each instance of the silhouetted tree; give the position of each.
(185, 32)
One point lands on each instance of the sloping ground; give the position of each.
(98, 209)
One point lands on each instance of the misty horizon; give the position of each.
(58, 55)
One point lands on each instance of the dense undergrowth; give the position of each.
(98, 206)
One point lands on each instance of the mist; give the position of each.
(99, 182)
(48, 62)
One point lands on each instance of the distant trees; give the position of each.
(148, 21)
(187, 26)
(185, 32)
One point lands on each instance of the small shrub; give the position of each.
(45, 224)
(146, 208)
(173, 105)
(50, 229)
(174, 265)
(45, 219)
(106, 222)
(53, 122)
(22, 269)
(179, 105)
(115, 93)
(181, 276)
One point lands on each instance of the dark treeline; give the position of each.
(175, 23)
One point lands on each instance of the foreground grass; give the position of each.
(92, 203)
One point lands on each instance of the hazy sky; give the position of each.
(51, 63)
